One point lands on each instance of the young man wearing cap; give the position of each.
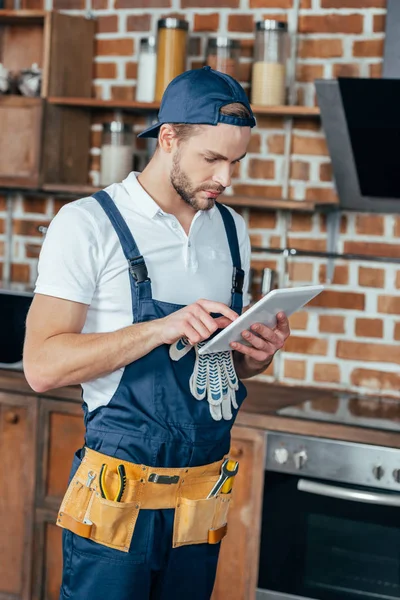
(131, 282)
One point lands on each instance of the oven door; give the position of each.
(323, 541)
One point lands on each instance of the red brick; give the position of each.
(307, 124)
(259, 219)
(397, 331)
(241, 23)
(368, 352)
(32, 5)
(29, 228)
(255, 143)
(379, 23)
(300, 222)
(95, 139)
(261, 169)
(353, 4)
(131, 70)
(325, 172)
(346, 70)
(209, 3)
(298, 320)
(32, 250)
(105, 70)
(245, 72)
(369, 277)
(331, 23)
(375, 380)
(363, 48)
(370, 224)
(306, 345)
(327, 373)
(319, 245)
(375, 70)
(331, 324)
(306, 73)
(295, 369)
(122, 92)
(389, 305)
(3, 204)
(117, 47)
(68, 5)
(107, 24)
(309, 145)
(271, 4)
(20, 273)
(142, 4)
(300, 170)
(300, 272)
(260, 191)
(208, 22)
(35, 204)
(276, 144)
(320, 48)
(369, 328)
(316, 194)
(138, 23)
(343, 224)
(372, 248)
(340, 276)
(397, 226)
(335, 299)
(99, 4)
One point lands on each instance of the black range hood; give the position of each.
(361, 120)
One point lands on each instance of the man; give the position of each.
(117, 309)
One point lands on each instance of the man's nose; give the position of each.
(223, 175)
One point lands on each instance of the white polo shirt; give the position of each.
(82, 260)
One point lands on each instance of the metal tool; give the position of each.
(121, 486)
(91, 475)
(229, 469)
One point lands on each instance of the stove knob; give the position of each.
(281, 456)
(300, 459)
(396, 475)
(378, 472)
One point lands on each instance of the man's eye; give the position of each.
(210, 160)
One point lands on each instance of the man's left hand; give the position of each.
(264, 343)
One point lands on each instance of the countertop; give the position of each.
(259, 410)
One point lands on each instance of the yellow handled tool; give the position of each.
(229, 468)
(121, 483)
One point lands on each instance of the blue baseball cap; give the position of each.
(196, 97)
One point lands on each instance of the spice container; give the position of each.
(171, 52)
(268, 86)
(116, 152)
(223, 55)
(146, 81)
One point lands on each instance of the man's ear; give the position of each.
(167, 138)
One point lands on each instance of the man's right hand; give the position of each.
(195, 322)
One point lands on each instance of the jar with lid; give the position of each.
(268, 87)
(223, 55)
(146, 80)
(171, 52)
(116, 152)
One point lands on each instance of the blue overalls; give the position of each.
(152, 419)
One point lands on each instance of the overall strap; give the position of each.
(139, 280)
(238, 273)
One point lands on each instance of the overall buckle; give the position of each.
(237, 281)
(138, 269)
(165, 479)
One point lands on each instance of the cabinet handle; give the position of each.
(236, 452)
(11, 417)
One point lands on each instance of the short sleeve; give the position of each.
(70, 258)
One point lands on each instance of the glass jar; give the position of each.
(146, 80)
(223, 55)
(268, 87)
(171, 52)
(116, 152)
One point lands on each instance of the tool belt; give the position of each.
(104, 497)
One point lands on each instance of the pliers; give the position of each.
(121, 482)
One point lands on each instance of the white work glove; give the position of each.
(214, 377)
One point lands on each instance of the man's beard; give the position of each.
(181, 183)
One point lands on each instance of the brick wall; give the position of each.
(349, 338)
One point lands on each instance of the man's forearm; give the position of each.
(73, 358)
(247, 367)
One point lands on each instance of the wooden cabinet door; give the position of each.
(238, 564)
(18, 418)
(62, 433)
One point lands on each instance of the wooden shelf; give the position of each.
(288, 111)
(67, 189)
(22, 16)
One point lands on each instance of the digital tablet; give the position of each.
(264, 311)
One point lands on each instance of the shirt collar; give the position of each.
(145, 202)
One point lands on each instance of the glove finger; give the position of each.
(214, 380)
(230, 371)
(179, 349)
(226, 408)
(198, 381)
(216, 412)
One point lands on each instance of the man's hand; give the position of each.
(264, 343)
(195, 323)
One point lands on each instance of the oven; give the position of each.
(330, 522)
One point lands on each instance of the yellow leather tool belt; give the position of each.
(90, 507)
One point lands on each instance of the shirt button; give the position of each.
(189, 244)
(174, 224)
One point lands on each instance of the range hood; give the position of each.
(361, 120)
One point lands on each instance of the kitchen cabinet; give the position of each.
(238, 565)
(18, 418)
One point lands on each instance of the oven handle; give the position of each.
(333, 491)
